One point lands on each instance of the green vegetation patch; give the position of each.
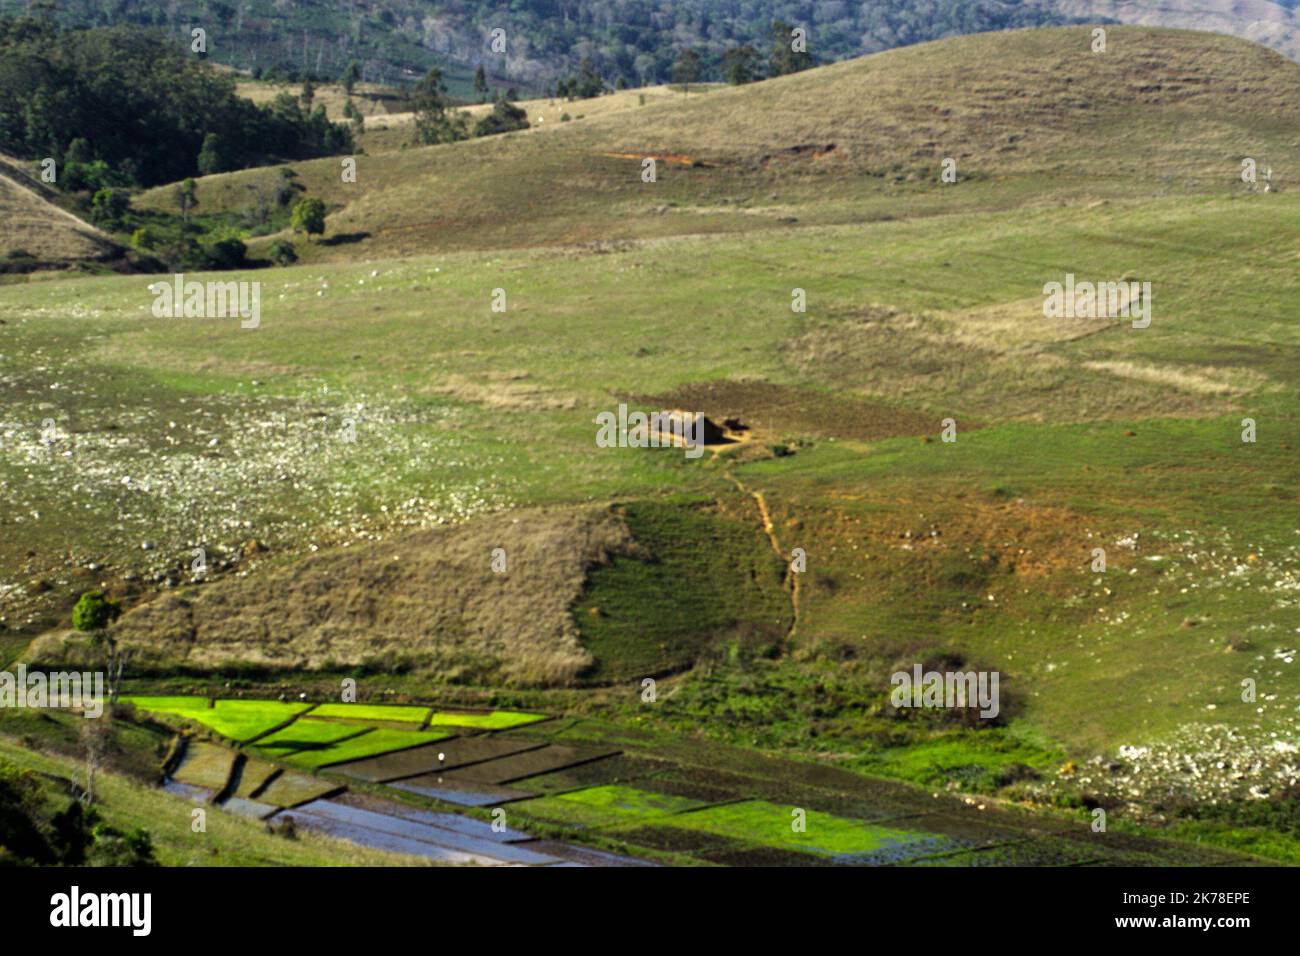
(839, 838)
(607, 806)
(706, 577)
(406, 713)
(302, 741)
(496, 720)
(238, 720)
(378, 741)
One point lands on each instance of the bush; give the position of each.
(112, 847)
(283, 253)
(109, 206)
(309, 216)
(143, 239)
(228, 254)
(504, 118)
(94, 611)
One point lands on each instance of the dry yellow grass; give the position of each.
(1002, 101)
(1216, 382)
(31, 223)
(369, 99)
(385, 132)
(1021, 110)
(430, 599)
(504, 391)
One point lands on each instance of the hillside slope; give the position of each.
(31, 223)
(858, 141)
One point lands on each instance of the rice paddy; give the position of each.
(496, 720)
(238, 720)
(729, 809)
(396, 712)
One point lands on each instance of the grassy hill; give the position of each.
(1161, 112)
(924, 303)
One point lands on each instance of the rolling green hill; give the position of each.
(1160, 113)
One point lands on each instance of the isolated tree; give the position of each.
(349, 77)
(480, 83)
(309, 216)
(686, 70)
(433, 123)
(187, 194)
(308, 94)
(210, 160)
(353, 115)
(94, 612)
(741, 65)
(288, 187)
(116, 657)
(93, 735)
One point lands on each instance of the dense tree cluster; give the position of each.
(121, 106)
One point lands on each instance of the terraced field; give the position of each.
(565, 798)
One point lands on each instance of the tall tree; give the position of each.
(686, 69)
(741, 65)
(349, 77)
(433, 122)
(187, 194)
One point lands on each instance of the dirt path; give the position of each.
(791, 576)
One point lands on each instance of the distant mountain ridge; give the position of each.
(1274, 23)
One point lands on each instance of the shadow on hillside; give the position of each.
(344, 239)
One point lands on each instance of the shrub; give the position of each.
(283, 253)
(504, 118)
(109, 206)
(143, 238)
(94, 611)
(309, 216)
(228, 253)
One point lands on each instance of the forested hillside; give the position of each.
(636, 41)
(120, 107)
